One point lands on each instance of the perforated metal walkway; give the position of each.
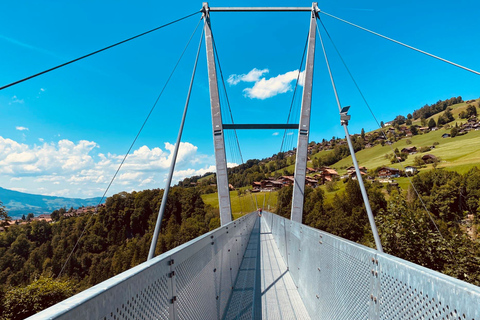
(264, 287)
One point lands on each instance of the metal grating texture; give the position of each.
(243, 298)
(192, 281)
(339, 279)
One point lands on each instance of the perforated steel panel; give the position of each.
(339, 279)
(192, 281)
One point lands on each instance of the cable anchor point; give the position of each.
(344, 117)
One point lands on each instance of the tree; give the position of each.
(413, 130)
(432, 123)
(408, 122)
(362, 133)
(471, 111)
(454, 132)
(382, 125)
(4, 217)
(20, 303)
(423, 121)
(448, 115)
(30, 216)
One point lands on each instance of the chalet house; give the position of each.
(410, 171)
(287, 180)
(446, 135)
(429, 158)
(256, 185)
(386, 172)
(368, 146)
(311, 182)
(325, 174)
(230, 187)
(353, 175)
(351, 170)
(434, 128)
(311, 170)
(328, 173)
(409, 150)
(424, 129)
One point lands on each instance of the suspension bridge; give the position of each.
(265, 266)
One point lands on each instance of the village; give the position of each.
(53, 216)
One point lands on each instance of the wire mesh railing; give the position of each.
(339, 279)
(192, 281)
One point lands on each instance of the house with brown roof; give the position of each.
(287, 180)
(386, 172)
(409, 150)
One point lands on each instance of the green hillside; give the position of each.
(244, 203)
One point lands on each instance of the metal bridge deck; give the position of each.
(264, 286)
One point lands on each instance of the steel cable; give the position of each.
(129, 149)
(405, 45)
(95, 52)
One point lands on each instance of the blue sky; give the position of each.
(65, 132)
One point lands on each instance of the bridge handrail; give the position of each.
(340, 279)
(200, 272)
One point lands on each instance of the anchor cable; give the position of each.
(226, 95)
(405, 45)
(294, 91)
(95, 52)
(129, 149)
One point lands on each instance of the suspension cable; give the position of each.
(226, 95)
(294, 91)
(403, 44)
(130, 148)
(384, 134)
(163, 205)
(95, 52)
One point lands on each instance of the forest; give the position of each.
(32, 256)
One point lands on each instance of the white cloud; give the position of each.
(275, 133)
(290, 133)
(16, 100)
(267, 88)
(21, 128)
(253, 76)
(75, 169)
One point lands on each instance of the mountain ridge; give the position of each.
(19, 203)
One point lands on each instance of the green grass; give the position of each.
(245, 203)
(206, 177)
(460, 153)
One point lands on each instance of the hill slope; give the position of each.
(19, 203)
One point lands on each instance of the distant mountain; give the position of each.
(19, 203)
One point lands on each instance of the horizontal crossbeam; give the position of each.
(257, 9)
(260, 126)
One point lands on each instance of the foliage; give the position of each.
(115, 239)
(454, 132)
(429, 110)
(4, 217)
(471, 111)
(22, 302)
